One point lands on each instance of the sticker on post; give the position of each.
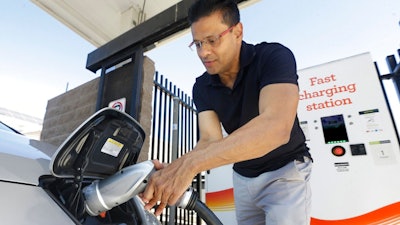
(112, 147)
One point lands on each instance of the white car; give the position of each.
(38, 187)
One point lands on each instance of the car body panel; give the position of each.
(20, 161)
(27, 205)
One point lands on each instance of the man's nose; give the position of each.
(204, 50)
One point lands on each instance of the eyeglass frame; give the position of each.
(206, 40)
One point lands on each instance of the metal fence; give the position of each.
(174, 133)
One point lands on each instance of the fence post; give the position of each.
(174, 155)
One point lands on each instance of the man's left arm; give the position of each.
(264, 133)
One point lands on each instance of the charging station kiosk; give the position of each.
(353, 141)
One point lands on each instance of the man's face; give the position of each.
(217, 44)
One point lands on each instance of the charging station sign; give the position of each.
(351, 136)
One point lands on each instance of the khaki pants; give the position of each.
(280, 197)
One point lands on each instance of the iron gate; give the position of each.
(174, 133)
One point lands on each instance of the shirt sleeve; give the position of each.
(278, 66)
(200, 97)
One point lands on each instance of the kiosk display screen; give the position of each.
(334, 129)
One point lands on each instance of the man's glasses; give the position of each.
(213, 41)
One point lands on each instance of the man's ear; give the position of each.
(238, 30)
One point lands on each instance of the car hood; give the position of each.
(105, 143)
(23, 160)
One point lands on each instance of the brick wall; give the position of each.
(146, 114)
(67, 111)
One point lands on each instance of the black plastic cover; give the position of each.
(105, 143)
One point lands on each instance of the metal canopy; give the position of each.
(118, 27)
(100, 21)
(163, 25)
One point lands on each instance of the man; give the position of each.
(252, 91)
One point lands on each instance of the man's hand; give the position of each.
(167, 184)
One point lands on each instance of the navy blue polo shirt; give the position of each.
(260, 65)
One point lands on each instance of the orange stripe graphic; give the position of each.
(220, 200)
(390, 214)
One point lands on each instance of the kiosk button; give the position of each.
(338, 151)
(358, 149)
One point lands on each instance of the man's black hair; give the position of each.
(203, 8)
